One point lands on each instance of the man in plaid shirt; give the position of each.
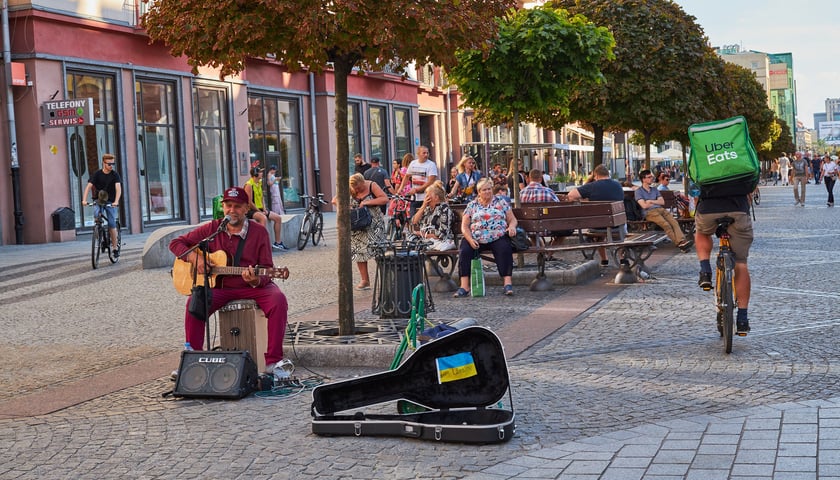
(535, 192)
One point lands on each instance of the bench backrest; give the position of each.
(541, 218)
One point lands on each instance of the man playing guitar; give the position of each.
(248, 285)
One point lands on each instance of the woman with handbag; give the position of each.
(433, 220)
(366, 194)
(488, 224)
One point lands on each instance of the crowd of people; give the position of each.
(486, 224)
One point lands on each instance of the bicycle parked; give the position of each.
(101, 237)
(725, 294)
(398, 210)
(312, 224)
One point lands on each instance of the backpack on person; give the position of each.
(723, 160)
(633, 210)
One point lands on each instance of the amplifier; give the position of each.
(215, 375)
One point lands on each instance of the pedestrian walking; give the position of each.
(829, 176)
(784, 169)
(799, 179)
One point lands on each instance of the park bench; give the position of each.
(686, 223)
(539, 220)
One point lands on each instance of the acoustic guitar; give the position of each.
(182, 272)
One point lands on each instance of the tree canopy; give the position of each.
(658, 56)
(317, 35)
(535, 63)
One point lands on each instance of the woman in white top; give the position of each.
(828, 172)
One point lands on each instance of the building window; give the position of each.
(275, 141)
(354, 134)
(402, 132)
(212, 145)
(379, 132)
(157, 151)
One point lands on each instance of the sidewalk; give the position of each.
(610, 382)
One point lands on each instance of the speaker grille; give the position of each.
(216, 375)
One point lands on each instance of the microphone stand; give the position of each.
(203, 245)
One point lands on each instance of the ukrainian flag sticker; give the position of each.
(456, 367)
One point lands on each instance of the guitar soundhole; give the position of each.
(333, 332)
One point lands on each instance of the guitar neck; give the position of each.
(238, 270)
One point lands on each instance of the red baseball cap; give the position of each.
(235, 194)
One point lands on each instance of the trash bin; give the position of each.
(64, 219)
(398, 271)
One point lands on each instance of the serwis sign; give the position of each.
(67, 113)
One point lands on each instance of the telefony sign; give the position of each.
(67, 113)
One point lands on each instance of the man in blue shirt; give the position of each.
(602, 188)
(653, 207)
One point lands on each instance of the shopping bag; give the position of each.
(476, 277)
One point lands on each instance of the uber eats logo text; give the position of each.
(720, 152)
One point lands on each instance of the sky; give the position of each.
(805, 28)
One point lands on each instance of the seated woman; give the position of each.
(488, 224)
(433, 220)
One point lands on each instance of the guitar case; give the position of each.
(454, 385)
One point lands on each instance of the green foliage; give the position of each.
(658, 58)
(537, 60)
(311, 33)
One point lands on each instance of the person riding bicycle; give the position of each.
(741, 237)
(106, 180)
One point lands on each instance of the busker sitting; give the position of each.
(255, 252)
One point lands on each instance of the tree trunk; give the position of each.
(514, 167)
(598, 157)
(647, 150)
(346, 322)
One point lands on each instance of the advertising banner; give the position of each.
(829, 132)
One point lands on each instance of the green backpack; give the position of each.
(723, 160)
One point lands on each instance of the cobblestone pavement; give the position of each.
(637, 386)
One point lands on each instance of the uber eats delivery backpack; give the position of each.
(723, 160)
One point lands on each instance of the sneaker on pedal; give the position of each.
(742, 328)
(705, 281)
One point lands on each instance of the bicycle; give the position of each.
(756, 196)
(312, 223)
(725, 284)
(101, 237)
(395, 230)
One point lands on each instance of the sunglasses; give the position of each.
(109, 163)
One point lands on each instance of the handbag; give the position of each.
(360, 218)
(519, 242)
(476, 277)
(200, 298)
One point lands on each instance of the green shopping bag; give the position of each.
(218, 212)
(476, 277)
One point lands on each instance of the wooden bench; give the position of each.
(541, 219)
(686, 223)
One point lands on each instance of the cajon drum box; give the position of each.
(243, 326)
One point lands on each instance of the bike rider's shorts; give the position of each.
(110, 214)
(740, 232)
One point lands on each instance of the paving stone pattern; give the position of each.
(637, 386)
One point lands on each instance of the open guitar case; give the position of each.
(452, 386)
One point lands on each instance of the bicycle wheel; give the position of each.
(114, 255)
(726, 305)
(96, 245)
(305, 230)
(317, 229)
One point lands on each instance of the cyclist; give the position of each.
(107, 180)
(741, 238)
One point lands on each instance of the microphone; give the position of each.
(224, 223)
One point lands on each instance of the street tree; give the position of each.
(537, 60)
(658, 57)
(338, 36)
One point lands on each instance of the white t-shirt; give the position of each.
(420, 173)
